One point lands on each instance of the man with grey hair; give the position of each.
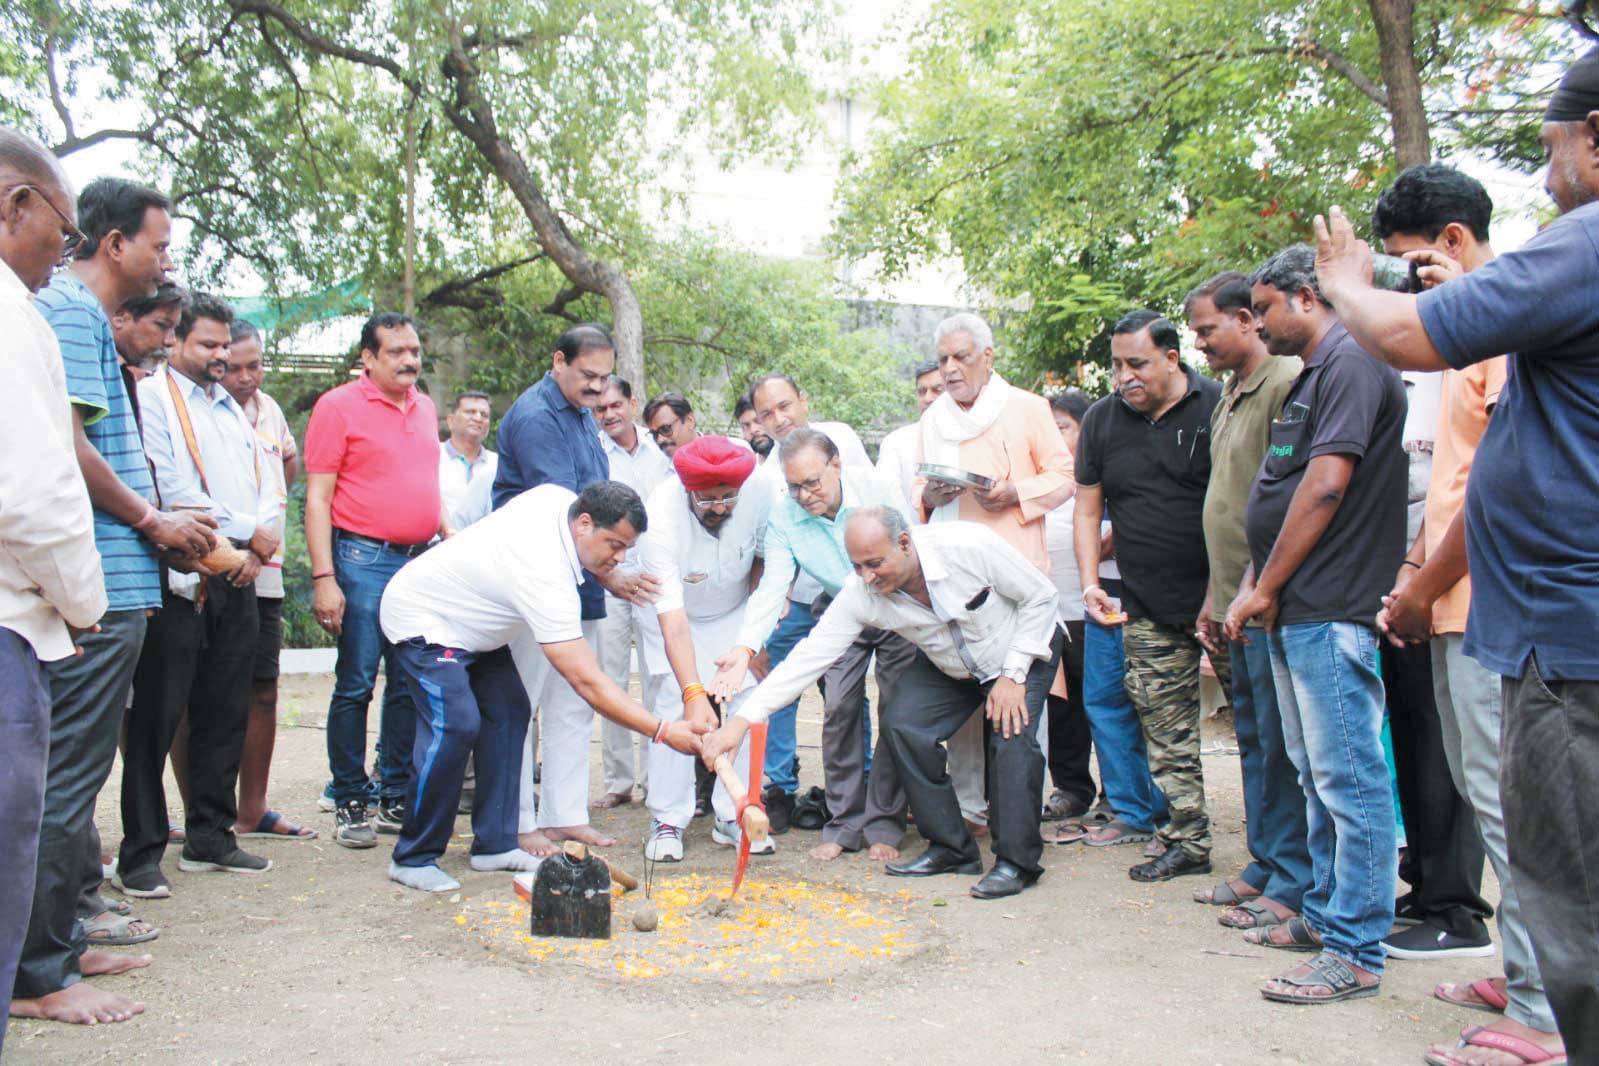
(805, 534)
(1326, 525)
(983, 620)
(984, 425)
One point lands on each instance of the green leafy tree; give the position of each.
(1084, 156)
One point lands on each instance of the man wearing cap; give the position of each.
(983, 622)
(452, 614)
(1532, 531)
(703, 544)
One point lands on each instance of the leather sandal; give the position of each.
(1328, 972)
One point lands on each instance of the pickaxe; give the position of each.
(750, 812)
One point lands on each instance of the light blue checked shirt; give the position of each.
(797, 540)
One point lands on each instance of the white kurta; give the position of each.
(707, 576)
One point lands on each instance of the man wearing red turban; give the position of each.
(702, 543)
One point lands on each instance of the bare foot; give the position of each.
(95, 963)
(586, 834)
(882, 852)
(612, 799)
(827, 852)
(1453, 1051)
(79, 1004)
(536, 843)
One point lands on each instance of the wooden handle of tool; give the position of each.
(756, 824)
(620, 876)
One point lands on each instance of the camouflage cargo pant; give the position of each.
(1163, 683)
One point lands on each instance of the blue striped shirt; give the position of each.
(94, 385)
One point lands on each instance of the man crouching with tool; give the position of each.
(452, 612)
(984, 621)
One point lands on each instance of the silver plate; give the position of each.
(953, 475)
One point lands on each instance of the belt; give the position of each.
(408, 550)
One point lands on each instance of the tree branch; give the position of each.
(316, 42)
(557, 306)
(55, 87)
(451, 292)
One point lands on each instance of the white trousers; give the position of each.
(670, 795)
(620, 634)
(566, 723)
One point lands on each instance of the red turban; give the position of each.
(706, 462)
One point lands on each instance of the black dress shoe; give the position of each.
(1173, 862)
(779, 808)
(932, 862)
(1005, 879)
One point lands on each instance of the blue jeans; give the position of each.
(1331, 698)
(362, 571)
(1274, 804)
(781, 739)
(1118, 737)
(465, 703)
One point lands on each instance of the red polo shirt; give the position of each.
(386, 457)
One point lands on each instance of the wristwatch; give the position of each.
(1017, 674)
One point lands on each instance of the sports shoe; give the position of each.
(665, 843)
(142, 884)
(727, 834)
(325, 802)
(1424, 941)
(237, 861)
(350, 827)
(390, 817)
(779, 807)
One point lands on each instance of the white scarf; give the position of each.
(945, 426)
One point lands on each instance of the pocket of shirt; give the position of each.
(1286, 452)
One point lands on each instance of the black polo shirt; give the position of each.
(1153, 475)
(1344, 403)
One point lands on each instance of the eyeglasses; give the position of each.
(72, 238)
(665, 430)
(809, 487)
(702, 504)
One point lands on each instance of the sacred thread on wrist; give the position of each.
(693, 691)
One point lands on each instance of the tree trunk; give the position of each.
(471, 113)
(1396, 42)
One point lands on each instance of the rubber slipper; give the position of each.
(1300, 936)
(1224, 894)
(1251, 914)
(176, 834)
(1116, 832)
(268, 827)
(1325, 972)
(116, 930)
(1066, 833)
(1481, 995)
(1483, 1037)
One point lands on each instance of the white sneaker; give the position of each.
(665, 843)
(727, 834)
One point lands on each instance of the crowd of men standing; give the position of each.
(1346, 546)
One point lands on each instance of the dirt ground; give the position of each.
(323, 960)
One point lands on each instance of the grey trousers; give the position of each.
(1549, 784)
(25, 744)
(866, 808)
(89, 693)
(1468, 699)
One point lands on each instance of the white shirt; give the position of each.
(896, 457)
(1063, 561)
(489, 584)
(457, 478)
(982, 589)
(49, 568)
(851, 452)
(277, 442)
(645, 467)
(705, 575)
(235, 488)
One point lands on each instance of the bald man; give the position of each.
(50, 576)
